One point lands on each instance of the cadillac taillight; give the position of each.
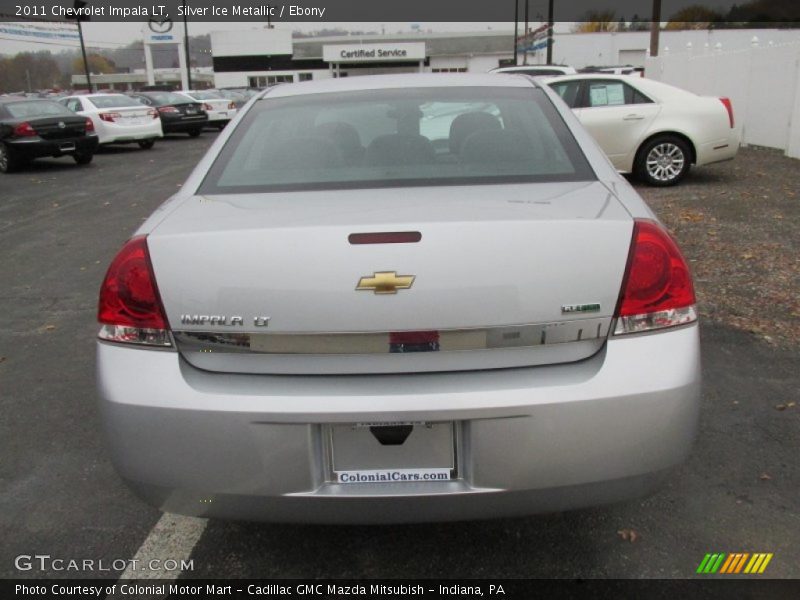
(657, 290)
(130, 309)
(729, 107)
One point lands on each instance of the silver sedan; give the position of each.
(399, 298)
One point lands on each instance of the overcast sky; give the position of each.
(115, 35)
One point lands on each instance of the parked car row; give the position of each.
(75, 125)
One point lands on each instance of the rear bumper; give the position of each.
(110, 133)
(719, 150)
(530, 440)
(184, 124)
(36, 147)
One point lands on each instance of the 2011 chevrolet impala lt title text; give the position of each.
(399, 298)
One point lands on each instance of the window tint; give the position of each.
(74, 104)
(613, 93)
(168, 98)
(37, 108)
(396, 137)
(569, 92)
(204, 95)
(115, 101)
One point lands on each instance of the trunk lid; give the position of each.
(58, 128)
(502, 276)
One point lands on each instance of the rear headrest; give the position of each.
(497, 147)
(468, 123)
(345, 136)
(399, 149)
(310, 152)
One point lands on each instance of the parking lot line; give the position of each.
(172, 538)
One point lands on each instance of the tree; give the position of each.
(97, 64)
(596, 21)
(29, 71)
(694, 17)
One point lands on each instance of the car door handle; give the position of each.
(633, 117)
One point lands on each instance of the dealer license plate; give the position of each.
(392, 452)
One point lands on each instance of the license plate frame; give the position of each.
(429, 454)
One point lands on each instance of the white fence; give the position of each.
(763, 82)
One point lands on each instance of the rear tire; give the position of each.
(195, 132)
(8, 162)
(663, 161)
(83, 158)
(146, 144)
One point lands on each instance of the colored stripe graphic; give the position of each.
(734, 563)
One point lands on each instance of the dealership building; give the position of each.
(262, 57)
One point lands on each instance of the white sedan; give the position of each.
(118, 118)
(649, 128)
(220, 110)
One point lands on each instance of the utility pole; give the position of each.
(655, 27)
(525, 57)
(550, 32)
(186, 47)
(516, 29)
(80, 16)
(28, 77)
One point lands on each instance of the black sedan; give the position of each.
(178, 113)
(33, 128)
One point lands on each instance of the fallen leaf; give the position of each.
(780, 407)
(2, 359)
(629, 535)
(764, 477)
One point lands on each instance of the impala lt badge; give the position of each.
(385, 282)
(222, 320)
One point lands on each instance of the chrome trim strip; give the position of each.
(450, 340)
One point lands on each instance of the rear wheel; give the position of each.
(663, 161)
(195, 132)
(147, 144)
(8, 162)
(83, 158)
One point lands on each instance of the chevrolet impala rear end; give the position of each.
(396, 299)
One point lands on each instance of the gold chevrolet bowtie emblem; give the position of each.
(385, 282)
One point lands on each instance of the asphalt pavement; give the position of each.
(60, 225)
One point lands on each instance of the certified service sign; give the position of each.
(354, 53)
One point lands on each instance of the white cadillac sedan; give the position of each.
(399, 298)
(653, 130)
(118, 118)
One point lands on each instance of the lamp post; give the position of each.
(516, 29)
(186, 48)
(550, 32)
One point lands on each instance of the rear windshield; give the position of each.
(205, 95)
(167, 98)
(37, 108)
(398, 137)
(119, 101)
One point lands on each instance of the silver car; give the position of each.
(399, 298)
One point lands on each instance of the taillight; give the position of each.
(109, 117)
(231, 106)
(657, 290)
(24, 130)
(152, 113)
(729, 107)
(207, 106)
(89, 125)
(167, 109)
(130, 308)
